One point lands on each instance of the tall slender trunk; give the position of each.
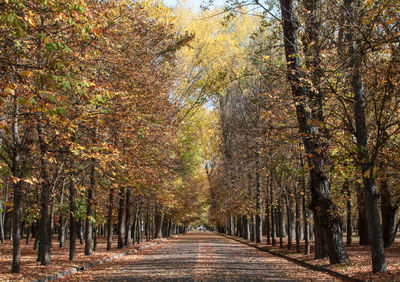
(89, 210)
(306, 219)
(128, 216)
(307, 98)
(44, 242)
(72, 221)
(110, 218)
(268, 206)
(259, 212)
(346, 189)
(147, 222)
(2, 213)
(280, 223)
(17, 185)
(366, 161)
(298, 219)
(121, 218)
(273, 226)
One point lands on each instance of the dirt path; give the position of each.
(202, 256)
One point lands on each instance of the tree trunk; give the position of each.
(17, 185)
(128, 217)
(346, 189)
(290, 217)
(2, 213)
(273, 226)
(110, 218)
(362, 223)
(322, 203)
(159, 218)
(388, 212)
(246, 227)
(72, 221)
(258, 226)
(365, 160)
(321, 246)
(298, 219)
(121, 218)
(281, 225)
(89, 211)
(44, 242)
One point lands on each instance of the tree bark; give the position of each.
(89, 210)
(159, 218)
(322, 203)
(298, 219)
(362, 223)
(273, 226)
(258, 196)
(349, 228)
(366, 161)
(110, 219)
(72, 221)
(388, 212)
(16, 172)
(121, 218)
(44, 242)
(128, 216)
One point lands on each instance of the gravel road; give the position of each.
(204, 256)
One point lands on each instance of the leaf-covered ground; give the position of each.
(194, 256)
(31, 269)
(359, 266)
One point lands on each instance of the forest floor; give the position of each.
(359, 266)
(32, 270)
(199, 253)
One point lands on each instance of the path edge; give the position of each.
(299, 262)
(92, 264)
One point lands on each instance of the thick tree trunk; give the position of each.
(246, 227)
(321, 246)
(322, 203)
(44, 242)
(388, 212)
(365, 160)
(121, 218)
(72, 221)
(159, 218)
(362, 223)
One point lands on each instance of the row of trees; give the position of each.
(309, 120)
(92, 138)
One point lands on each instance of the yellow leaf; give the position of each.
(367, 174)
(9, 91)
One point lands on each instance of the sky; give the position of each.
(195, 4)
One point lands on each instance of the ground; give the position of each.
(200, 256)
(193, 256)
